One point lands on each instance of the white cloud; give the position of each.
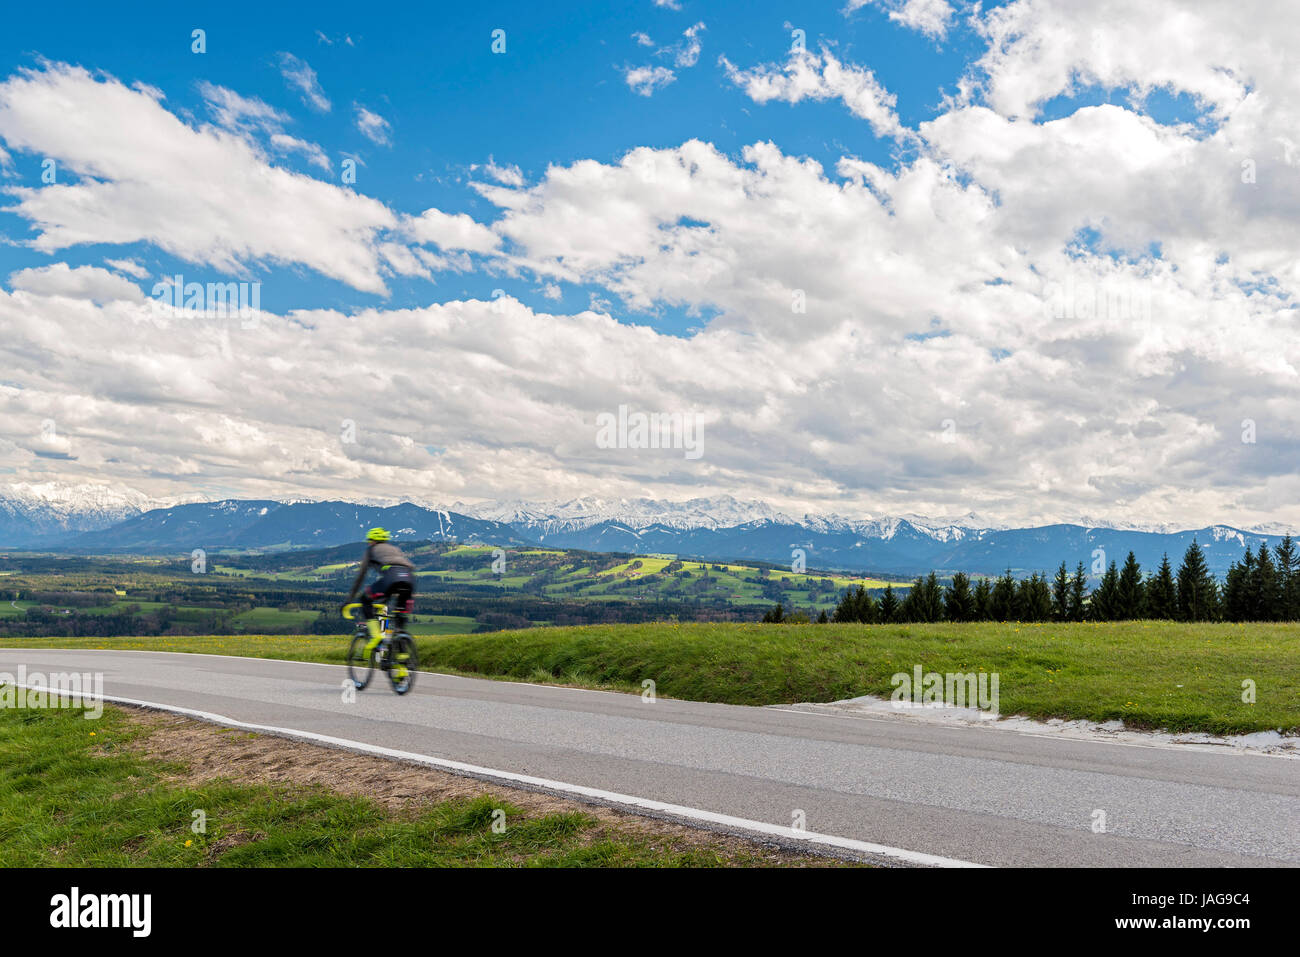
(204, 195)
(458, 231)
(645, 80)
(83, 282)
(250, 116)
(285, 144)
(128, 266)
(813, 76)
(374, 127)
(931, 17)
(234, 112)
(643, 39)
(688, 52)
(508, 175)
(300, 76)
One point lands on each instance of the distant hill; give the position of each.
(268, 524)
(883, 546)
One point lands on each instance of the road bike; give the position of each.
(394, 655)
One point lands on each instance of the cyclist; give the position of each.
(396, 583)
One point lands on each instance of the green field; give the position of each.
(1182, 677)
(78, 793)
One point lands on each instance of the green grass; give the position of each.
(73, 795)
(274, 618)
(1183, 677)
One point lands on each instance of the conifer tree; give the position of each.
(1162, 596)
(1288, 572)
(958, 602)
(1103, 605)
(1197, 592)
(1061, 595)
(1130, 596)
(888, 605)
(1266, 588)
(983, 600)
(1078, 589)
(1004, 597)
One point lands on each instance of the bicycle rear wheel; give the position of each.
(360, 665)
(402, 662)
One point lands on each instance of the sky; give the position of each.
(1025, 261)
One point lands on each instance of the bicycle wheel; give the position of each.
(402, 662)
(360, 664)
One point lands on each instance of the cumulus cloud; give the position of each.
(451, 231)
(811, 76)
(83, 282)
(645, 80)
(931, 17)
(205, 195)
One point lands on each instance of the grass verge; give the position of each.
(123, 791)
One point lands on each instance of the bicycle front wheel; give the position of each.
(360, 664)
(402, 662)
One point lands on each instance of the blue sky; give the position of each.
(556, 96)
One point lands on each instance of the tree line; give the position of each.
(1263, 586)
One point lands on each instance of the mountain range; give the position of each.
(88, 519)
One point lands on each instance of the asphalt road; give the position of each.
(904, 788)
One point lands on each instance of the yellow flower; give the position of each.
(188, 843)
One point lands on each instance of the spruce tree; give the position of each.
(1004, 598)
(1197, 593)
(1131, 593)
(1162, 596)
(1288, 571)
(888, 605)
(1104, 603)
(910, 608)
(931, 599)
(1034, 598)
(958, 602)
(1267, 590)
(1061, 594)
(1078, 589)
(983, 600)
(1235, 599)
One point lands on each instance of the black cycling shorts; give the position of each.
(396, 584)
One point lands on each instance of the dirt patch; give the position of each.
(202, 752)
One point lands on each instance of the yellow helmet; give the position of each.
(377, 535)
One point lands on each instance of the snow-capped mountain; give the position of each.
(31, 512)
(575, 514)
(93, 518)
